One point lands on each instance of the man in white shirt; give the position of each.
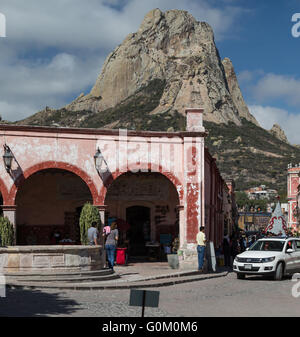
(201, 241)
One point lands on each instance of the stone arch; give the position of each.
(50, 165)
(169, 175)
(131, 192)
(4, 192)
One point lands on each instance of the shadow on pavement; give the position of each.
(224, 269)
(34, 303)
(264, 278)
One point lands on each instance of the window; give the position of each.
(268, 245)
(298, 245)
(290, 245)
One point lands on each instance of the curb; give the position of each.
(154, 283)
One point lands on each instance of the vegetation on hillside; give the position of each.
(243, 201)
(248, 154)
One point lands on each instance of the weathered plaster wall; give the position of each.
(214, 201)
(178, 156)
(293, 182)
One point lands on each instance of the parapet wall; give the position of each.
(51, 258)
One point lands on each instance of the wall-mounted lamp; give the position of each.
(99, 161)
(7, 158)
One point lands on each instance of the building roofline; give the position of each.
(94, 131)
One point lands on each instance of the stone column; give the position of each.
(9, 211)
(182, 233)
(193, 185)
(102, 209)
(182, 239)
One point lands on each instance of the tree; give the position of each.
(89, 214)
(7, 236)
(242, 200)
(282, 196)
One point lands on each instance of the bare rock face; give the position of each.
(236, 93)
(173, 47)
(279, 133)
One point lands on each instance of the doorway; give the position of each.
(139, 232)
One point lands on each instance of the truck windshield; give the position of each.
(268, 245)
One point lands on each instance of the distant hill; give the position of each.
(250, 154)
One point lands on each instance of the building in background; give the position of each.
(293, 181)
(231, 208)
(220, 207)
(253, 221)
(261, 192)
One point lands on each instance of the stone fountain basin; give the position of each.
(60, 258)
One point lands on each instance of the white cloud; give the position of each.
(247, 76)
(54, 49)
(267, 116)
(93, 24)
(273, 86)
(28, 86)
(16, 111)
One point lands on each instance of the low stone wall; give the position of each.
(51, 258)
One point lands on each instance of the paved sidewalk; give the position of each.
(135, 275)
(145, 271)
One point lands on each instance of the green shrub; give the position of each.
(89, 214)
(7, 236)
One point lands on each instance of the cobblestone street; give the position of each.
(224, 296)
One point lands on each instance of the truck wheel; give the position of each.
(279, 272)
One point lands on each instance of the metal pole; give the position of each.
(144, 300)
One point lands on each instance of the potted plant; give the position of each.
(7, 237)
(89, 214)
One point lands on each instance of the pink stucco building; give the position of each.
(293, 182)
(154, 181)
(220, 208)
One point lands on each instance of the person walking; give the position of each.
(243, 244)
(234, 247)
(111, 244)
(93, 234)
(201, 240)
(226, 250)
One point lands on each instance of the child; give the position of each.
(106, 230)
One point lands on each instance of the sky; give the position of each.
(53, 50)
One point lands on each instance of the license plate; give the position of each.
(248, 266)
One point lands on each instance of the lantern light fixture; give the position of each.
(7, 158)
(99, 160)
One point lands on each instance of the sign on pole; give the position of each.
(144, 298)
(211, 256)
